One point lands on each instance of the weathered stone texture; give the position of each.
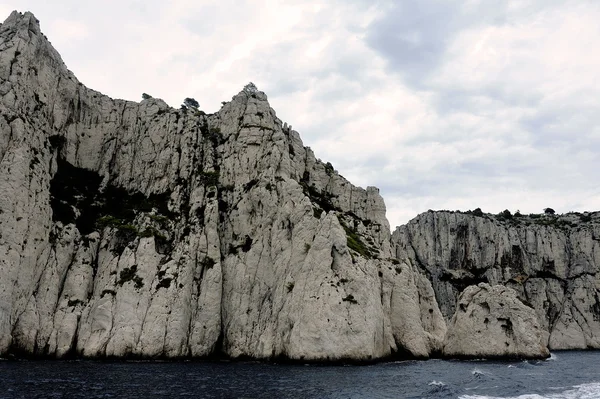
(491, 322)
(136, 229)
(551, 261)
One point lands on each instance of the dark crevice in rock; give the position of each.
(546, 274)
(513, 260)
(321, 198)
(73, 192)
(76, 197)
(459, 254)
(164, 283)
(507, 326)
(130, 274)
(595, 309)
(247, 244)
(465, 279)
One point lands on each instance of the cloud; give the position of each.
(5, 11)
(413, 34)
(513, 100)
(69, 30)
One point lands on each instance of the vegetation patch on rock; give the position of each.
(130, 274)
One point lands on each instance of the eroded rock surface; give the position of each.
(551, 261)
(491, 322)
(136, 229)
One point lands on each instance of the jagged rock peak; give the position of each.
(22, 21)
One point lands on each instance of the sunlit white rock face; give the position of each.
(136, 229)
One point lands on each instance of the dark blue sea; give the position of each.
(565, 375)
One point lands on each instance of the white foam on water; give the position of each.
(479, 373)
(552, 357)
(437, 383)
(584, 391)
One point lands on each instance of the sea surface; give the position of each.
(565, 375)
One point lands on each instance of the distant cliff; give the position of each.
(552, 261)
(138, 230)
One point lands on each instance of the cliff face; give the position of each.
(552, 262)
(135, 229)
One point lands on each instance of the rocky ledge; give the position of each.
(139, 230)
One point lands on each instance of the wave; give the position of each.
(584, 391)
(438, 389)
(437, 383)
(477, 373)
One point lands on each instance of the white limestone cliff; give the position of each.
(135, 229)
(551, 261)
(138, 230)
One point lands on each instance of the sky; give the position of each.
(442, 104)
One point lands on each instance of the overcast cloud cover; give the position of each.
(442, 104)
